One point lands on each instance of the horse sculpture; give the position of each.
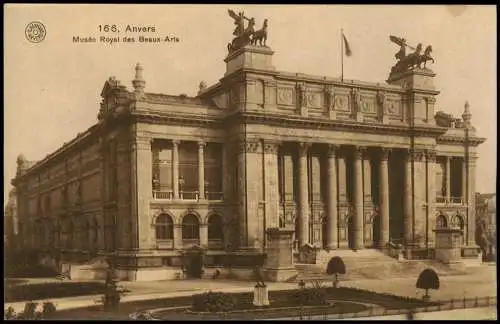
(424, 58)
(260, 35)
(410, 61)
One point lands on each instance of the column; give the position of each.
(332, 214)
(358, 199)
(201, 170)
(384, 197)
(226, 180)
(303, 195)
(175, 168)
(448, 179)
(407, 218)
(464, 182)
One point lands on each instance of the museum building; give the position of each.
(343, 164)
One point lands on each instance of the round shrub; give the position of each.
(213, 302)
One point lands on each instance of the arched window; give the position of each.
(94, 233)
(50, 233)
(87, 234)
(190, 227)
(164, 227)
(70, 234)
(215, 227)
(441, 222)
(458, 222)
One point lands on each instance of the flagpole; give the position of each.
(341, 55)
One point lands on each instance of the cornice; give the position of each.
(447, 139)
(315, 123)
(80, 139)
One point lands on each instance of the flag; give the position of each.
(348, 51)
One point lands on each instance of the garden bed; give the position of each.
(339, 295)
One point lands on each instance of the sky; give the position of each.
(52, 88)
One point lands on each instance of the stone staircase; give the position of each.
(371, 264)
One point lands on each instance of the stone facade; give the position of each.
(345, 164)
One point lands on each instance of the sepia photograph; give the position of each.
(250, 162)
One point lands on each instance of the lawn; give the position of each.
(19, 291)
(342, 296)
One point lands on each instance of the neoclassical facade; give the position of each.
(346, 164)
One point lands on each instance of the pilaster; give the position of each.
(201, 170)
(430, 157)
(271, 190)
(419, 197)
(408, 207)
(144, 189)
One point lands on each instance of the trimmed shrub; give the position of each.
(335, 267)
(213, 302)
(428, 279)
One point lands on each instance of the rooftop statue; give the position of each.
(244, 36)
(410, 61)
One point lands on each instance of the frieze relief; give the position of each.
(368, 105)
(393, 107)
(341, 103)
(286, 96)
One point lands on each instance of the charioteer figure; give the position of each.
(245, 36)
(413, 60)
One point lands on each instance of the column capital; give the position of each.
(201, 144)
(175, 142)
(417, 154)
(271, 146)
(303, 148)
(359, 151)
(430, 155)
(249, 146)
(332, 149)
(384, 153)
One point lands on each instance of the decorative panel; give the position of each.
(286, 96)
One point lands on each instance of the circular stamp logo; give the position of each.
(35, 32)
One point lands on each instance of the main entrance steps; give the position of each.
(370, 264)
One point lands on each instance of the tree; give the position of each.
(428, 279)
(335, 267)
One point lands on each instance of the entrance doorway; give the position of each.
(350, 232)
(194, 261)
(324, 233)
(376, 231)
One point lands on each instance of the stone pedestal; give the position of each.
(448, 245)
(260, 296)
(279, 262)
(250, 57)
